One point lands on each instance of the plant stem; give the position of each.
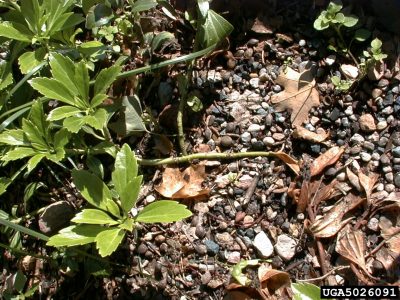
(187, 158)
(179, 121)
(348, 51)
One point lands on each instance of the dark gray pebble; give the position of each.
(212, 247)
(396, 151)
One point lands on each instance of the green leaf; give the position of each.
(215, 29)
(130, 120)
(376, 44)
(15, 137)
(95, 166)
(339, 18)
(63, 112)
(63, 70)
(65, 21)
(93, 216)
(74, 124)
(204, 6)
(237, 271)
(108, 240)
(105, 78)
(334, 6)
(15, 32)
(53, 89)
(362, 34)
(320, 24)
(18, 153)
(82, 79)
(128, 224)
(350, 20)
(163, 211)
(305, 291)
(61, 138)
(160, 39)
(31, 59)
(130, 193)
(92, 188)
(194, 103)
(98, 100)
(380, 56)
(35, 137)
(4, 183)
(19, 281)
(98, 119)
(335, 80)
(125, 169)
(38, 118)
(34, 160)
(143, 5)
(75, 235)
(98, 15)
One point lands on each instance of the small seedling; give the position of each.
(341, 85)
(375, 53)
(107, 223)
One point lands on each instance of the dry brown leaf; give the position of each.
(271, 279)
(368, 182)
(290, 161)
(353, 178)
(261, 28)
(298, 96)
(351, 245)
(326, 192)
(328, 158)
(182, 185)
(317, 137)
(304, 197)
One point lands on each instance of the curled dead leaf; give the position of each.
(368, 182)
(353, 178)
(299, 95)
(317, 137)
(328, 158)
(290, 161)
(183, 185)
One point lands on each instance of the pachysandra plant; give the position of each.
(108, 217)
(71, 85)
(36, 139)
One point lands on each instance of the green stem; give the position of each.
(179, 121)
(348, 51)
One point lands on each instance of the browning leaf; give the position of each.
(271, 279)
(298, 96)
(326, 192)
(317, 137)
(182, 185)
(353, 178)
(290, 161)
(368, 182)
(328, 158)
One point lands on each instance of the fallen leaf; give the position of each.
(272, 279)
(387, 258)
(298, 97)
(329, 224)
(260, 28)
(326, 192)
(368, 182)
(162, 144)
(183, 185)
(304, 197)
(317, 137)
(290, 161)
(354, 180)
(328, 158)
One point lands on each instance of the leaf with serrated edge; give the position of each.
(105, 78)
(18, 153)
(31, 59)
(53, 89)
(97, 100)
(63, 112)
(63, 70)
(75, 235)
(14, 137)
(93, 216)
(92, 188)
(125, 169)
(81, 78)
(74, 124)
(108, 240)
(163, 211)
(34, 160)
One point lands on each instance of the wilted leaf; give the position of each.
(351, 245)
(298, 97)
(180, 185)
(368, 182)
(326, 192)
(316, 137)
(353, 178)
(328, 158)
(237, 271)
(271, 279)
(392, 237)
(290, 161)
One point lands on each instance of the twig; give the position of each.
(250, 190)
(324, 276)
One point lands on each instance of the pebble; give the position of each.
(263, 244)
(396, 151)
(201, 249)
(373, 224)
(376, 93)
(224, 239)
(254, 82)
(302, 43)
(367, 123)
(213, 76)
(365, 156)
(212, 247)
(390, 188)
(254, 128)
(397, 180)
(389, 177)
(226, 141)
(285, 247)
(245, 137)
(381, 125)
(233, 257)
(357, 139)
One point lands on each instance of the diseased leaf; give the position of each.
(353, 178)
(272, 280)
(328, 158)
(237, 271)
(182, 185)
(75, 235)
(163, 211)
(92, 188)
(108, 240)
(368, 182)
(298, 97)
(93, 216)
